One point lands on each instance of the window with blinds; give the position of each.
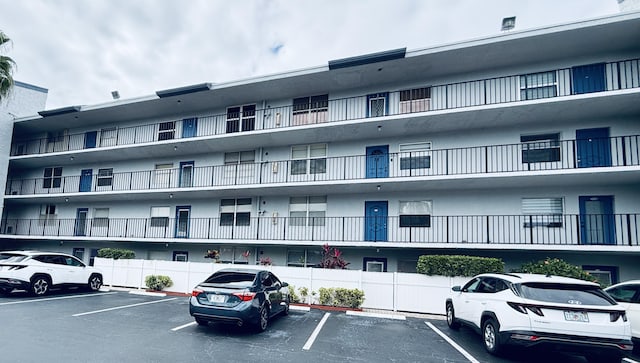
(160, 216)
(235, 212)
(415, 213)
(307, 211)
(542, 212)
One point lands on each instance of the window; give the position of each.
(304, 257)
(160, 216)
(374, 264)
(235, 255)
(78, 252)
(538, 85)
(181, 256)
(415, 213)
(166, 130)
(108, 137)
(48, 213)
(309, 110)
(606, 275)
(540, 148)
(377, 104)
(307, 211)
(235, 212)
(105, 177)
(542, 212)
(241, 157)
(241, 118)
(101, 217)
(162, 175)
(309, 159)
(415, 100)
(52, 177)
(415, 156)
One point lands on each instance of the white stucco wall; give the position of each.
(24, 100)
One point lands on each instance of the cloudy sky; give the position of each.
(81, 50)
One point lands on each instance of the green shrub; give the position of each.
(158, 282)
(456, 265)
(348, 298)
(116, 253)
(557, 267)
(293, 296)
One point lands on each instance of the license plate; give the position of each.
(576, 316)
(217, 298)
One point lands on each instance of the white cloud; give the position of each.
(82, 50)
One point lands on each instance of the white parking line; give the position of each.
(629, 360)
(184, 326)
(124, 307)
(452, 343)
(55, 298)
(315, 333)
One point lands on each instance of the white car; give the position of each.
(535, 310)
(37, 272)
(627, 294)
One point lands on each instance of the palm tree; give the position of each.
(7, 66)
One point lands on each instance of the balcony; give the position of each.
(542, 154)
(558, 230)
(600, 77)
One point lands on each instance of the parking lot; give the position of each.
(119, 326)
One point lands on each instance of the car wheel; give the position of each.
(202, 322)
(40, 285)
(451, 317)
(490, 336)
(264, 319)
(285, 311)
(95, 282)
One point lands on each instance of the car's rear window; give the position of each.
(565, 294)
(232, 278)
(10, 257)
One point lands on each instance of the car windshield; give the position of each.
(10, 257)
(565, 294)
(232, 278)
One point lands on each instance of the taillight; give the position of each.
(522, 308)
(245, 296)
(196, 292)
(614, 316)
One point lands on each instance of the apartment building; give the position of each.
(521, 146)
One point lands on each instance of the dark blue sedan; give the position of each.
(241, 297)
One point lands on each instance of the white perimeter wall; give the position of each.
(382, 290)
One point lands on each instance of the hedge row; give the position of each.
(456, 265)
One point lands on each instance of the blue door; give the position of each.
(186, 174)
(81, 222)
(182, 221)
(378, 161)
(594, 147)
(597, 221)
(189, 127)
(90, 138)
(378, 104)
(86, 177)
(589, 78)
(375, 224)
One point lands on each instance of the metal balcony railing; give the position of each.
(527, 156)
(508, 89)
(591, 229)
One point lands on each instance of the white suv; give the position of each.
(533, 310)
(37, 272)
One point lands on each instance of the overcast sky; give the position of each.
(81, 50)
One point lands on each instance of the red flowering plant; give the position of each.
(332, 258)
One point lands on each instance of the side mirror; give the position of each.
(284, 284)
(456, 288)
